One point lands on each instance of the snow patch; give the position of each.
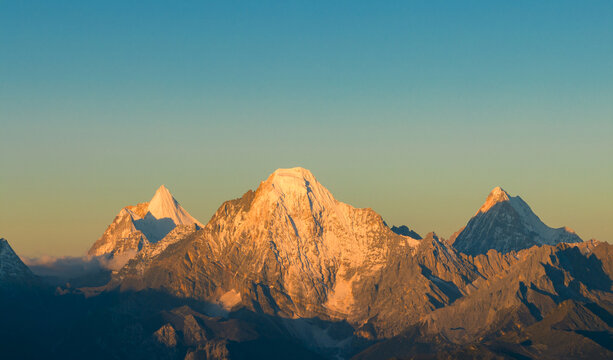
(341, 298)
(230, 299)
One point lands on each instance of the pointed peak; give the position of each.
(497, 195)
(163, 190)
(404, 230)
(162, 195)
(164, 205)
(497, 190)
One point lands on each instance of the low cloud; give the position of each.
(118, 261)
(69, 267)
(63, 267)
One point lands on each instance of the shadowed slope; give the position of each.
(14, 274)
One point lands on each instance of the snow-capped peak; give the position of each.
(497, 195)
(289, 179)
(164, 205)
(506, 223)
(296, 173)
(295, 186)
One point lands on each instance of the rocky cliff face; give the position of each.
(506, 223)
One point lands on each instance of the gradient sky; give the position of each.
(416, 109)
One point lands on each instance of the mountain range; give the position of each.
(288, 271)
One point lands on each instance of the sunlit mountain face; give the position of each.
(288, 271)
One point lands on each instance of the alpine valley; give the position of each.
(286, 271)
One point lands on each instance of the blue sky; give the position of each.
(416, 109)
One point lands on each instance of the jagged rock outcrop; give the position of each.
(505, 223)
(404, 230)
(166, 335)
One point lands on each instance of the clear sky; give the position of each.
(416, 109)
